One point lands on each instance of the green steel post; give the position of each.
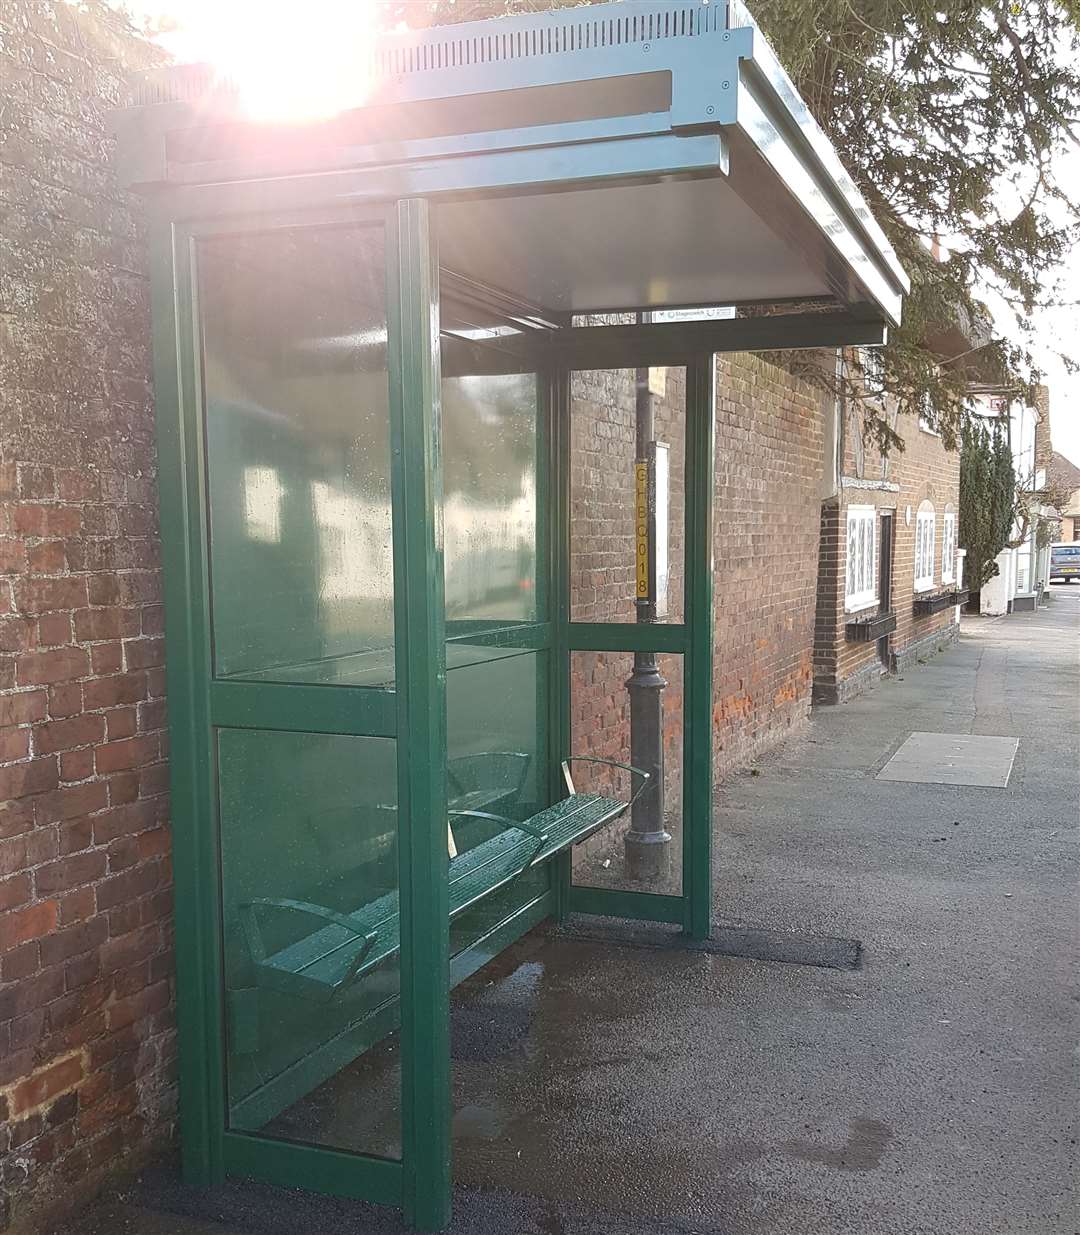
(697, 726)
(559, 524)
(419, 631)
(193, 802)
(546, 692)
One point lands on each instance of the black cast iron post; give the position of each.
(647, 842)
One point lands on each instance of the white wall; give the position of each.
(996, 595)
(1017, 568)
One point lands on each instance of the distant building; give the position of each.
(890, 574)
(1064, 476)
(1023, 568)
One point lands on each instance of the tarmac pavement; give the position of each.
(621, 1088)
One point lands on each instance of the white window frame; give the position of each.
(860, 558)
(948, 547)
(925, 534)
(925, 413)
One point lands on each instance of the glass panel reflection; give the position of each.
(297, 423)
(489, 498)
(308, 834)
(497, 765)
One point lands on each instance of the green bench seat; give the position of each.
(345, 947)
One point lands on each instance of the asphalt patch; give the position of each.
(744, 942)
(159, 1203)
(483, 1033)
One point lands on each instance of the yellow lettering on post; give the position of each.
(641, 520)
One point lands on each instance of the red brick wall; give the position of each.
(770, 442)
(86, 1026)
(923, 471)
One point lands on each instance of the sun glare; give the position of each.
(291, 62)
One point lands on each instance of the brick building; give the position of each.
(87, 1068)
(888, 558)
(1064, 476)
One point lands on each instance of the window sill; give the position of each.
(869, 484)
(859, 604)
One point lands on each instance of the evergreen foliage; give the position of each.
(987, 498)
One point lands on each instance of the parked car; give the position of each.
(1065, 563)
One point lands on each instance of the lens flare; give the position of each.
(289, 62)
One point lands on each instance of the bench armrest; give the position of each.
(249, 924)
(522, 825)
(454, 766)
(643, 776)
(484, 814)
(527, 828)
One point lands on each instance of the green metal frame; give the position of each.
(413, 713)
(183, 540)
(698, 676)
(420, 639)
(691, 639)
(199, 705)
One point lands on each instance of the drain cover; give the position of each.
(953, 759)
(749, 943)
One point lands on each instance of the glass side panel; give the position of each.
(497, 725)
(295, 390)
(489, 498)
(498, 764)
(626, 522)
(630, 709)
(497, 735)
(308, 831)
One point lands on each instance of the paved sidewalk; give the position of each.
(628, 1091)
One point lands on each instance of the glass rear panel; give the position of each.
(309, 876)
(629, 709)
(498, 766)
(489, 499)
(626, 496)
(295, 391)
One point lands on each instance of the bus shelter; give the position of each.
(365, 330)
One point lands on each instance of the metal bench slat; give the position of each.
(323, 957)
